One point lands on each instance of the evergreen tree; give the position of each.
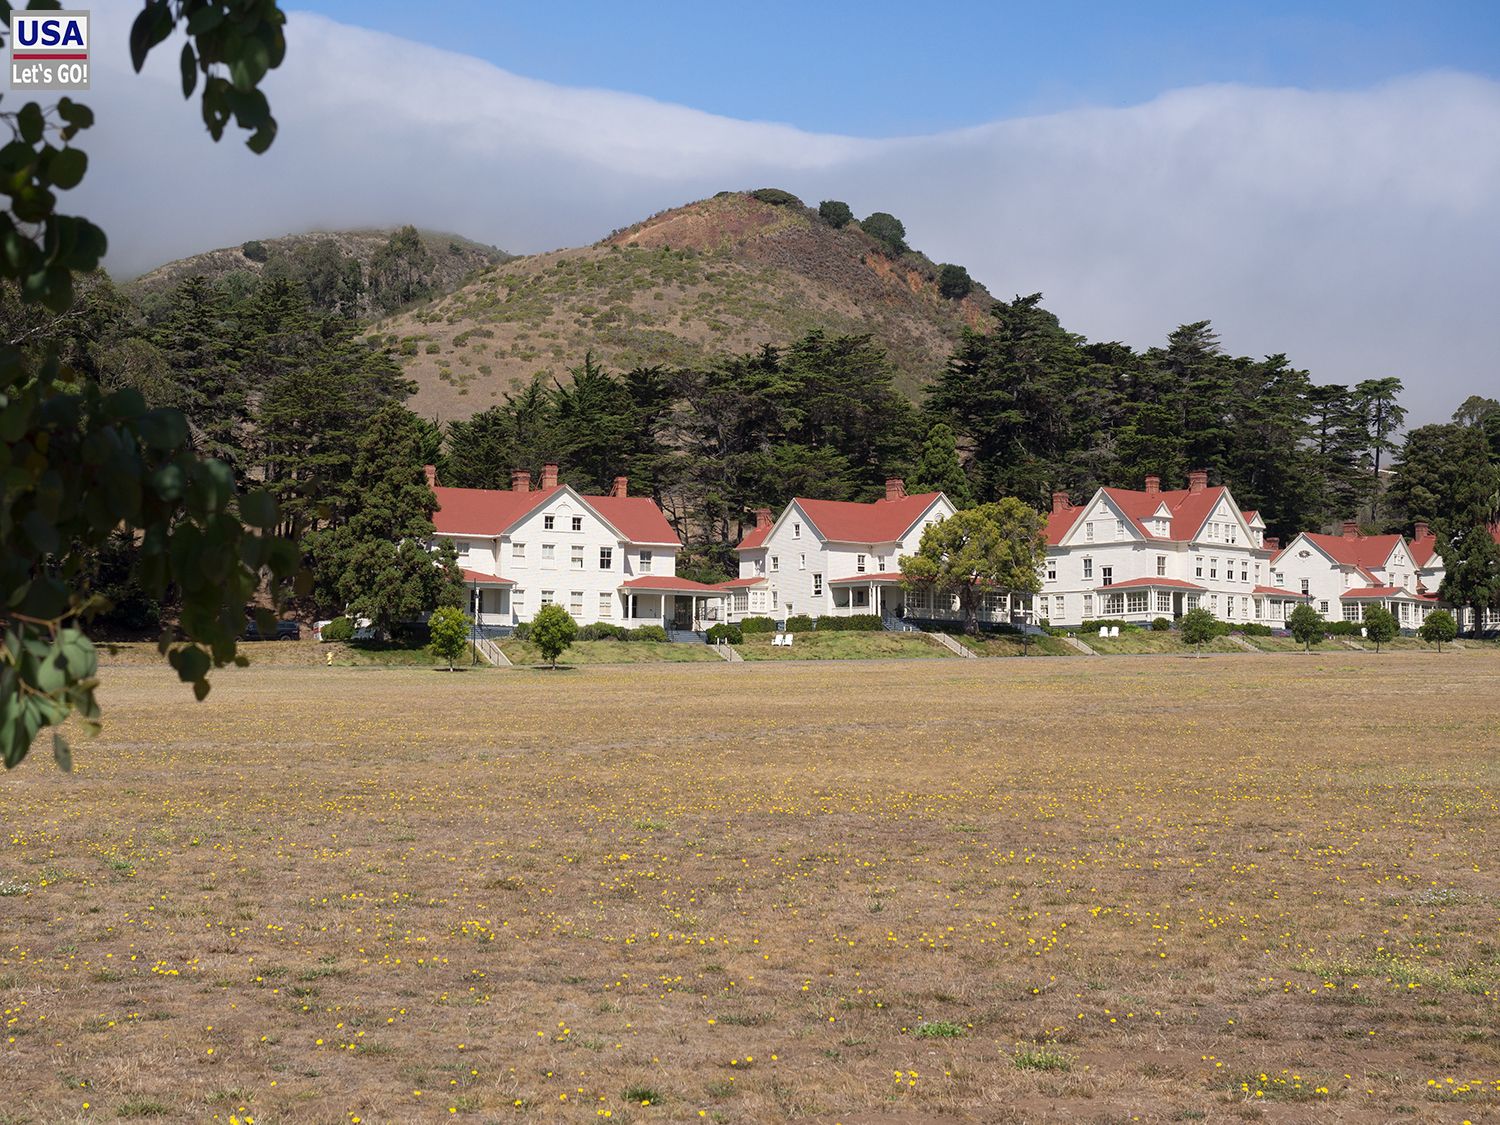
(938, 468)
(1382, 415)
(1472, 572)
(199, 339)
(1445, 475)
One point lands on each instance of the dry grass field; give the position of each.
(1232, 889)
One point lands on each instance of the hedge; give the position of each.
(758, 625)
(800, 623)
(854, 623)
(725, 634)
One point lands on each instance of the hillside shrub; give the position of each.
(954, 282)
(758, 625)
(725, 633)
(522, 631)
(1343, 628)
(800, 623)
(339, 629)
(603, 631)
(836, 213)
(854, 623)
(255, 250)
(1252, 630)
(887, 230)
(1160, 624)
(776, 197)
(652, 633)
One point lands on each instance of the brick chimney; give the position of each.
(520, 480)
(1351, 529)
(1061, 503)
(1422, 531)
(431, 471)
(763, 517)
(621, 487)
(1197, 480)
(895, 488)
(549, 475)
(1272, 543)
(1153, 485)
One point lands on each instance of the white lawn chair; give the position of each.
(1104, 630)
(775, 640)
(789, 640)
(1114, 630)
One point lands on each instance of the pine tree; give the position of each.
(938, 468)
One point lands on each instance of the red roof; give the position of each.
(480, 579)
(1368, 551)
(1278, 592)
(881, 521)
(1152, 583)
(856, 579)
(737, 583)
(483, 511)
(670, 584)
(754, 537)
(1424, 548)
(1189, 511)
(490, 511)
(635, 517)
(1377, 592)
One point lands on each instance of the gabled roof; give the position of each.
(755, 537)
(880, 521)
(1368, 551)
(491, 511)
(1422, 550)
(742, 583)
(1189, 510)
(484, 511)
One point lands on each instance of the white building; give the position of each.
(1342, 575)
(1137, 555)
(602, 558)
(832, 557)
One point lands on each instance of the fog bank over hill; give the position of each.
(1356, 230)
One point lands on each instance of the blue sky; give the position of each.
(881, 69)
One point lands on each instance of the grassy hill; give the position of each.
(728, 273)
(452, 259)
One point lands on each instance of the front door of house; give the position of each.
(682, 613)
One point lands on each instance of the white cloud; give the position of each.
(1356, 231)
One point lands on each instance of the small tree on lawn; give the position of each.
(1438, 627)
(1307, 626)
(449, 627)
(994, 548)
(1198, 627)
(1380, 626)
(552, 630)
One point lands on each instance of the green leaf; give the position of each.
(152, 26)
(66, 168)
(31, 123)
(189, 69)
(61, 753)
(258, 508)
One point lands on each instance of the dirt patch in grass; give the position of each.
(976, 891)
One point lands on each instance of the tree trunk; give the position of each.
(969, 601)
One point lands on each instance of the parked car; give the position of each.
(285, 631)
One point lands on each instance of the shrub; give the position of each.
(758, 625)
(434, 347)
(1042, 1058)
(725, 633)
(603, 631)
(887, 230)
(339, 629)
(1380, 625)
(800, 623)
(1253, 630)
(522, 632)
(255, 250)
(653, 633)
(776, 197)
(836, 213)
(1198, 627)
(1307, 626)
(449, 629)
(1160, 624)
(954, 282)
(553, 630)
(854, 623)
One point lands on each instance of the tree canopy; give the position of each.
(994, 548)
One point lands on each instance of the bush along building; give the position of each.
(1135, 555)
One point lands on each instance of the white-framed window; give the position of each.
(461, 548)
(775, 563)
(606, 558)
(1198, 567)
(1351, 611)
(1088, 531)
(575, 559)
(861, 596)
(1161, 566)
(549, 522)
(1233, 532)
(1106, 576)
(518, 552)
(518, 600)
(1244, 572)
(575, 603)
(859, 564)
(645, 562)
(577, 523)
(1192, 601)
(1163, 602)
(1088, 567)
(1213, 568)
(1051, 570)
(740, 600)
(1119, 529)
(880, 562)
(1306, 591)
(919, 600)
(775, 597)
(796, 531)
(1135, 601)
(1323, 607)
(549, 596)
(1229, 607)
(549, 554)
(801, 562)
(817, 585)
(1088, 606)
(606, 605)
